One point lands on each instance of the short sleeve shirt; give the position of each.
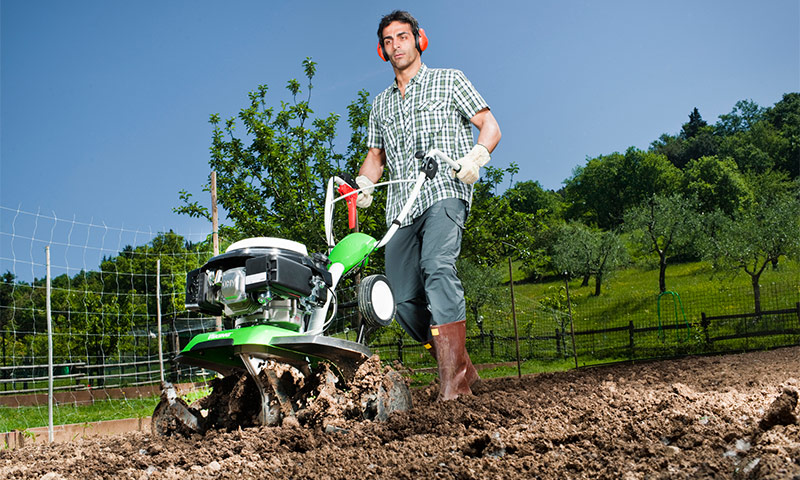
(435, 113)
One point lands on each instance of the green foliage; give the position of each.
(530, 197)
(663, 225)
(600, 192)
(479, 288)
(716, 184)
(581, 251)
(271, 180)
(760, 234)
(494, 230)
(21, 418)
(744, 115)
(784, 116)
(696, 139)
(95, 313)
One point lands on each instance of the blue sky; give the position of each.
(104, 105)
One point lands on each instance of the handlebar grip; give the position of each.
(433, 152)
(352, 213)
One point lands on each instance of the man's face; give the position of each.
(399, 45)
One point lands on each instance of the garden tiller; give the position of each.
(277, 364)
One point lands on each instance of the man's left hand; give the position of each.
(471, 164)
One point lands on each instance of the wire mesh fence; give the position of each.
(104, 314)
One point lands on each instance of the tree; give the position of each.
(716, 184)
(760, 234)
(493, 224)
(600, 192)
(756, 150)
(580, 251)
(480, 288)
(572, 250)
(271, 181)
(744, 115)
(784, 116)
(7, 301)
(695, 140)
(662, 225)
(694, 126)
(530, 197)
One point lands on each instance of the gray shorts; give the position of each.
(421, 268)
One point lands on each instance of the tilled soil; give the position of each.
(731, 416)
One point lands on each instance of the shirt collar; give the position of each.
(423, 70)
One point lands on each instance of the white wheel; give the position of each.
(376, 301)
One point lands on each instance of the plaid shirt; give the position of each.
(434, 113)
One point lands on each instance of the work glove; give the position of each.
(471, 164)
(364, 198)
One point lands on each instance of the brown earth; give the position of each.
(731, 416)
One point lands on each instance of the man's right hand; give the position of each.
(471, 164)
(364, 199)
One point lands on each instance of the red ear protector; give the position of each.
(420, 39)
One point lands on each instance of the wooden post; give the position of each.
(214, 214)
(49, 354)
(797, 305)
(630, 338)
(514, 316)
(571, 324)
(400, 349)
(158, 317)
(215, 230)
(704, 325)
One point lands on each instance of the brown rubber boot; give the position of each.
(472, 372)
(455, 366)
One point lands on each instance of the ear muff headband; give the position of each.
(420, 40)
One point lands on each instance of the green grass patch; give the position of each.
(22, 418)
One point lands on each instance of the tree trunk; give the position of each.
(598, 280)
(585, 282)
(662, 274)
(756, 294)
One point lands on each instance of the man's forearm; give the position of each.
(372, 167)
(489, 131)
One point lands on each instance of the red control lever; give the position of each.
(352, 213)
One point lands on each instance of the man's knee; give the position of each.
(415, 318)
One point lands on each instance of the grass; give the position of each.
(23, 418)
(627, 295)
(632, 294)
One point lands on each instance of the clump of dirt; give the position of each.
(692, 418)
(374, 392)
(781, 411)
(319, 397)
(234, 403)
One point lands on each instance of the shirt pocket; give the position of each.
(390, 128)
(431, 116)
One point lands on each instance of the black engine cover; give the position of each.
(199, 294)
(279, 273)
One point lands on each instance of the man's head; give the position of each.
(388, 39)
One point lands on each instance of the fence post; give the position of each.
(704, 322)
(558, 343)
(158, 316)
(400, 349)
(49, 353)
(4, 375)
(630, 338)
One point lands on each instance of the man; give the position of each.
(427, 108)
